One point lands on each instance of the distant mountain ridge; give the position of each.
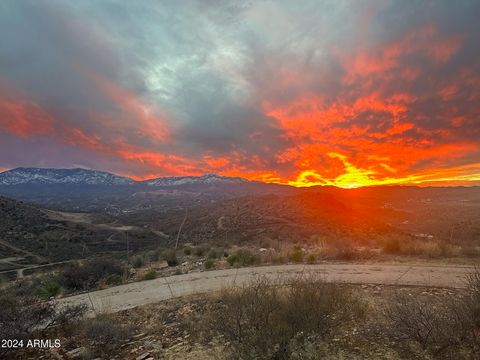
(190, 180)
(20, 176)
(79, 176)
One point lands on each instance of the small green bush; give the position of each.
(154, 255)
(209, 264)
(49, 289)
(242, 257)
(152, 274)
(137, 261)
(113, 279)
(170, 256)
(187, 250)
(214, 253)
(199, 251)
(232, 259)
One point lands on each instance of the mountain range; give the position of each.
(78, 176)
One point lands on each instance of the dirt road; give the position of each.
(18, 250)
(141, 293)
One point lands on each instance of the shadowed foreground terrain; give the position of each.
(298, 315)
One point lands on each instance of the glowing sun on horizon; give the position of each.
(353, 177)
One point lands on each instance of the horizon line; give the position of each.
(474, 183)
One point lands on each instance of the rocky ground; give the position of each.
(171, 330)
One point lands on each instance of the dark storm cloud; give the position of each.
(84, 64)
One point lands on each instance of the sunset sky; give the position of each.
(345, 93)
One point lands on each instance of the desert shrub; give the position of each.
(154, 255)
(311, 258)
(263, 318)
(104, 334)
(391, 246)
(444, 328)
(19, 316)
(137, 261)
(49, 289)
(409, 246)
(209, 264)
(296, 255)
(431, 249)
(232, 259)
(187, 250)
(242, 257)
(246, 257)
(114, 279)
(346, 252)
(416, 320)
(278, 259)
(86, 276)
(214, 253)
(23, 315)
(446, 249)
(199, 250)
(150, 275)
(170, 256)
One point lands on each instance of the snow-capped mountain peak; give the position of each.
(78, 176)
(190, 180)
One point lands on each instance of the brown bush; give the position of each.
(442, 327)
(103, 334)
(296, 255)
(392, 246)
(431, 249)
(87, 276)
(23, 317)
(170, 256)
(260, 320)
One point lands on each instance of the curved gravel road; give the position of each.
(145, 292)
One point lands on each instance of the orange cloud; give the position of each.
(424, 41)
(24, 118)
(380, 119)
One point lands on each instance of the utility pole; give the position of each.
(128, 248)
(84, 249)
(47, 250)
(180, 229)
